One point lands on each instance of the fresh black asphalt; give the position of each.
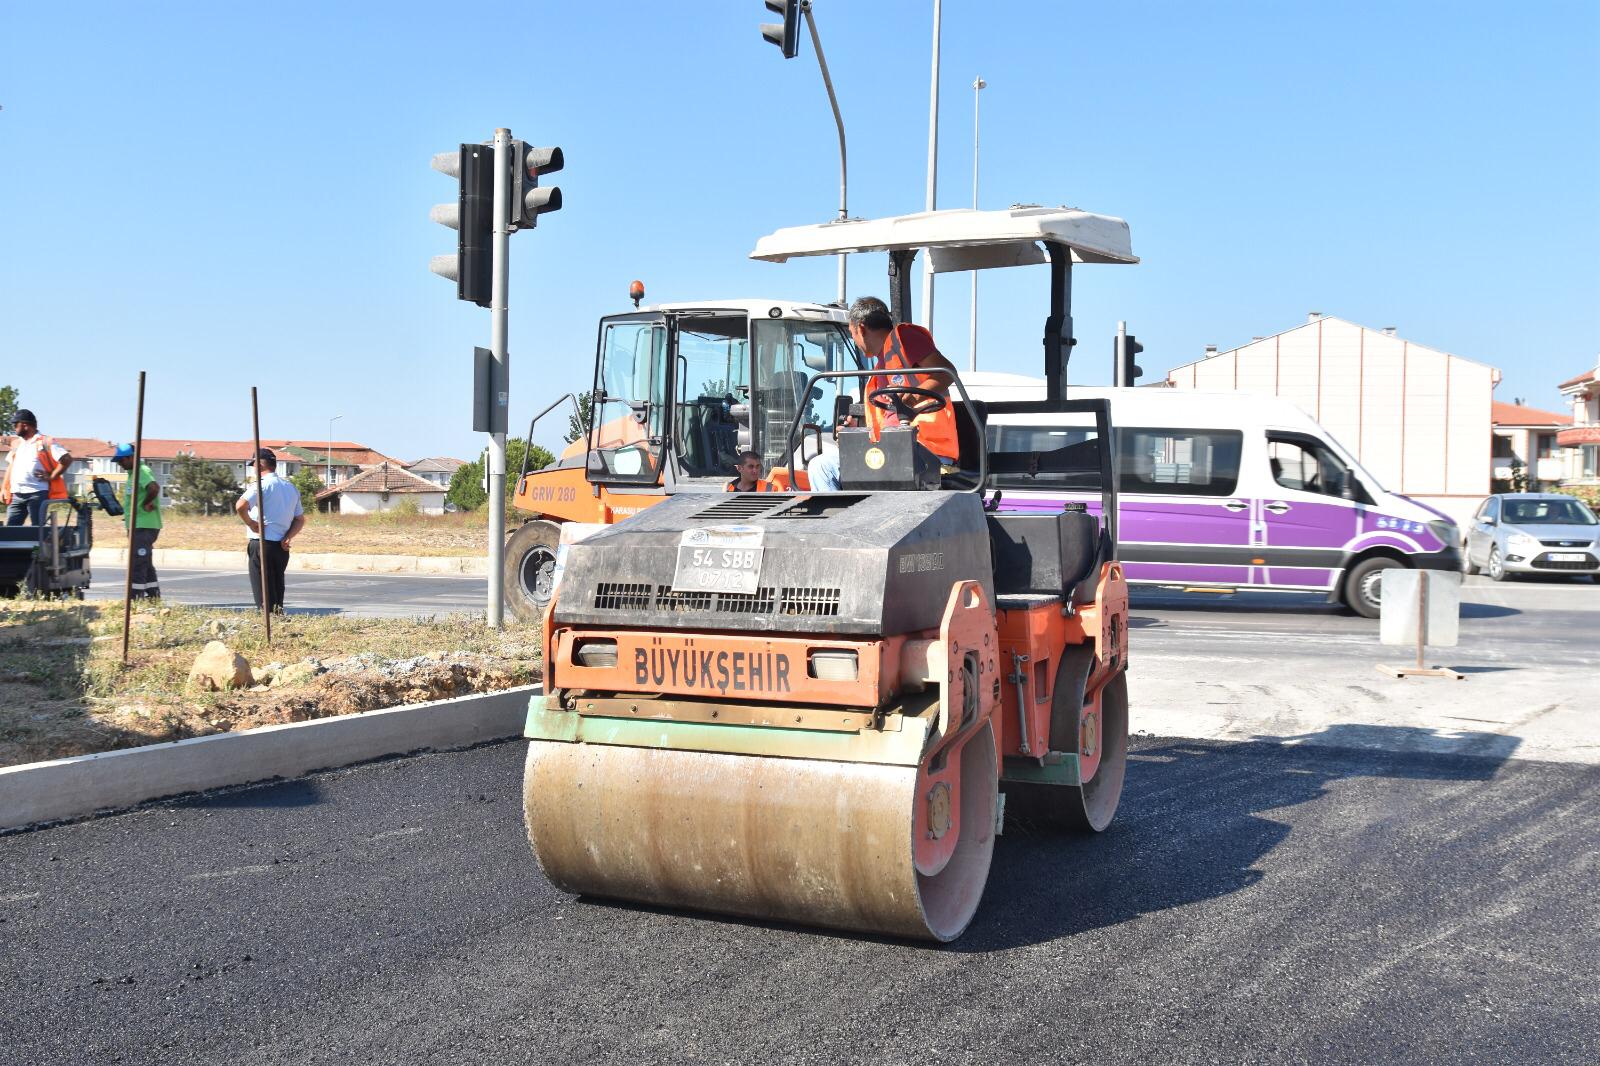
(1251, 903)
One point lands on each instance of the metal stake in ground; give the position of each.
(261, 515)
(133, 518)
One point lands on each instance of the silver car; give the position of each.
(1533, 533)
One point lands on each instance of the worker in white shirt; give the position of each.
(33, 475)
(284, 518)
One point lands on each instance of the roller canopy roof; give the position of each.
(963, 239)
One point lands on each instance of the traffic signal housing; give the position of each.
(1128, 371)
(472, 217)
(528, 200)
(785, 34)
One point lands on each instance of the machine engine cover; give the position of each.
(866, 564)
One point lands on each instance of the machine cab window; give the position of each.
(787, 353)
(630, 410)
(711, 377)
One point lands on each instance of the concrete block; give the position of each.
(73, 788)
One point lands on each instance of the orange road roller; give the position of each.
(822, 708)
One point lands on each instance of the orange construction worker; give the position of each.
(749, 479)
(32, 478)
(898, 351)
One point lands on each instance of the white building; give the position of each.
(381, 489)
(1417, 418)
(1582, 441)
(437, 469)
(1526, 456)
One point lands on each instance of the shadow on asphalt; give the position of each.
(1191, 828)
(1487, 610)
(265, 796)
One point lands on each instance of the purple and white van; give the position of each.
(1228, 491)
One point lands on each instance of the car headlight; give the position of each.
(1445, 531)
(1522, 544)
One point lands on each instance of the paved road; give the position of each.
(1252, 903)
(387, 595)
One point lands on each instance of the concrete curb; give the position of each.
(331, 562)
(72, 788)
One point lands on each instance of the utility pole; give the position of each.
(786, 36)
(499, 194)
(978, 85)
(838, 121)
(933, 171)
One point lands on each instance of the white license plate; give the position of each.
(719, 559)
(1568, 557)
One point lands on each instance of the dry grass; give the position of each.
(64, 691)
(463, 533)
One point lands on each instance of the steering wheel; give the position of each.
(897, 398)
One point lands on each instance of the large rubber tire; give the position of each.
(530, 563)
(1363, 585)
(1090, 806)
(1497, 567)
(1466, 560)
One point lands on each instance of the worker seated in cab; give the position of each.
(749, 479)
(904, 397)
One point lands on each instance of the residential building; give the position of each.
(438, 469)
(1526, 457)
(1582, 439)
(381, 489)
(1417, 418)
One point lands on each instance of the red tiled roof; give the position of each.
(383, 478)
(1510, 414)
(1587, 375)
(216, 451)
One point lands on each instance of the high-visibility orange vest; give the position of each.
(58, 485)
(936, 430)
(762, 485)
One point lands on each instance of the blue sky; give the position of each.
(226, 195)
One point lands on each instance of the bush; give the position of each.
(200, 487)
(309, 485)
(1589, 494)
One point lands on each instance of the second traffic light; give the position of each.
(528, 201)
(1127, 371)
(785, 34)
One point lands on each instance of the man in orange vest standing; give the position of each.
(33, 475)
(897, 351)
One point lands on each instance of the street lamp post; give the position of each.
(978, 84)
(933, 170)
(331, 421)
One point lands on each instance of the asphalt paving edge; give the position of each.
(35, 793)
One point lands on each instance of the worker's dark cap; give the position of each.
(24, 415)
(266, 456)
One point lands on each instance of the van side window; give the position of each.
(1179, 462)
(1307, 466)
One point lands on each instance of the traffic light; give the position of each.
(472, 217)
(528, 201)
(785, 34)
(1127, 370)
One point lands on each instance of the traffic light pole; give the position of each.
(1119, 357)
(500, 380)
(838, 121)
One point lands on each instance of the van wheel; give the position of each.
(530, 568)
(1363, 585)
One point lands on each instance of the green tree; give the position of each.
(578, 424)
(466, 484)
(201, 487)
(309, 485)
(8, 406)
(466, 487)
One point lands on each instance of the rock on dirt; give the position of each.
(218, 668)
(296, 673)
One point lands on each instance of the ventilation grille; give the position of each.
(811, 601)
(744, 505)
(621, 596)
(763, 602)
(669, 600)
